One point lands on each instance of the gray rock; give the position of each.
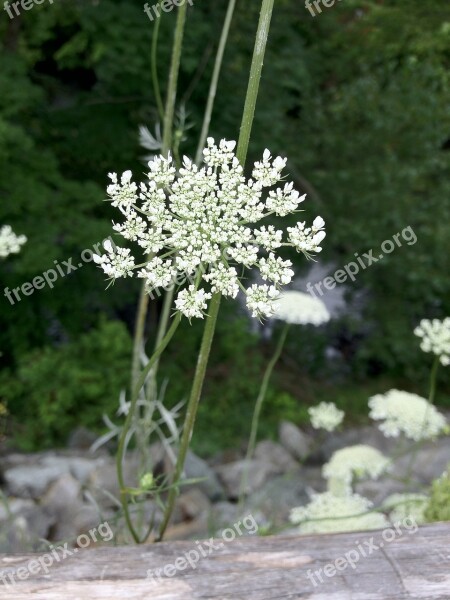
(79, 467)
(256, 473)
(428, 464)
(297, 443)
(63, 501)
(195, 467)
(192, 504)
(278, 496)
(12, 507)
(276, 455)
(81, 439)
(32, 481)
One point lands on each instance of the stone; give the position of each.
(81, 438)
(79, 467)
(11, 507)
(278, 496)
(192, 504)
(256, 473)
(276, 455)
(32, 481)
(63, 501)
(197, 468)
(297, 443)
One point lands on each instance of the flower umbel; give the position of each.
(326, 416)
(327, 513)
(10, 243)
(402, 412)
(195, 222)
(298, 308)
(355, 461)
(435, 336)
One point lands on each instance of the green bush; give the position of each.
(57, 389)
(439, 506)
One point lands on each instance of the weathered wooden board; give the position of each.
(413, 565)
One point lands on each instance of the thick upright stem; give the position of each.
(215, 80)
(257, 410)
(155, 80)
(173, 78)
(255, 78)
(247, 122)
(191, 412)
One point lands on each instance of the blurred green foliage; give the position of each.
(356, 97)
(438, 508)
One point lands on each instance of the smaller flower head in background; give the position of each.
(10, 243)
(326, 416)
(298, 308)
(319, 516)
(410, 414)
(435, 336)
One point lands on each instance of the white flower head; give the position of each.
(435, 336)
(192, 302)
(202, 224)
(410, 414)
(402, 506)
(326, 416)
(319, 516)
(300, 309)
(357, 461)
(10, 243)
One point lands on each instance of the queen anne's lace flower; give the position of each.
(326, 416)
(195, 222)
(327, 513)
(10, 243)
(435, 336)
(300, 309)
(354, 461)
(401, 506)
(403, 412)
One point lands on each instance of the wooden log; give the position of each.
(354, 566)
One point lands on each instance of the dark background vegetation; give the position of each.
(357, 98)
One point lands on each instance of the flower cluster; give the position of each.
(202, 225)
(298, 308)
(403, 412)
(326, 416)
(355, 461)
(435, 336)
(10, 243)
(401, 506)
(328, 513)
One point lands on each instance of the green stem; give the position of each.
(244, 136)
(257, 410)
(192, 406)
(255, 78)
(154, 68)
(215, 80)
(131, 412)
(173, 79)
(431, 397)
(138, 342)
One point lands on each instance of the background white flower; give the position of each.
(401, 506)
(10, 243)
(300, 309)
(326, 416)
(355, 461)
(435, 336)
(403, 412)
(196, 221)
(327, 513)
